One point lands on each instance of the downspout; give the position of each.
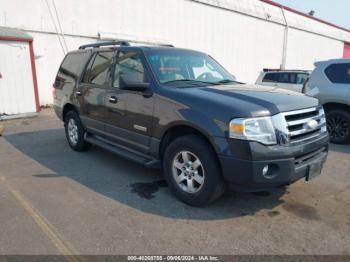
(285, 40)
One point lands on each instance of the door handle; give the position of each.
(78, 93)
(113, 99)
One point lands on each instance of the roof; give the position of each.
(112, 45)
(304, 14)
(273, 12)
(266, 70)
(8, 33)
(333, 61)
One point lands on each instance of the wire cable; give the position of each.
(59, 25)
(54, 24)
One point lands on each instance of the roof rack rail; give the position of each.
(279, 70)
(109, 43)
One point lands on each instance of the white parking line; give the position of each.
(48, 229)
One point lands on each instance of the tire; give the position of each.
(338, 125)
(75, 132)
(207, 171)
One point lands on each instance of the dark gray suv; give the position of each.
(181, 111)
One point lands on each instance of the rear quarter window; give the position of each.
(302, 78)
(338, 73)
(73, 64)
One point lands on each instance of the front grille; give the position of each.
(306, 124)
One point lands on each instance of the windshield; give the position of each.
(179, 67)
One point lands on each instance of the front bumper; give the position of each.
(287, 165)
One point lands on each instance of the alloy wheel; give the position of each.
(188, 172)
(338, 127)
(73, 131)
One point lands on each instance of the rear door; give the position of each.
(129, 114)
(92, 90)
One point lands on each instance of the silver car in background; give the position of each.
(287, 79)
(330, 83)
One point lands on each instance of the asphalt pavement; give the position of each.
(57, 201)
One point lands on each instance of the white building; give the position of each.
(243, 35)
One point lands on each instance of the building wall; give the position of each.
(304, 49)
(244, 36)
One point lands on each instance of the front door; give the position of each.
(92, 90)
(129, 114)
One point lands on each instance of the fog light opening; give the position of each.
(265, 170)
(270, 171)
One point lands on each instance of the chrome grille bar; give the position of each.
(305, 124)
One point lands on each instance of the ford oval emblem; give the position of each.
(310, 125)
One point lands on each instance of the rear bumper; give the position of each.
(248, 175)
(58, 111)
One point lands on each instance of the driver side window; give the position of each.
(129, 65)
(206, 71)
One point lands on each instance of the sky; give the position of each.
(334, 11)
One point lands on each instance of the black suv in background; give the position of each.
(181, 111)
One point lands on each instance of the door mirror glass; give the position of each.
(127, 83)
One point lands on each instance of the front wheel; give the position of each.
(192, 171)
(338, 125)
(75, 132)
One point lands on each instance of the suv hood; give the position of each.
(255, 100)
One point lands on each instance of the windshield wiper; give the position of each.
(189, 80)
(227, 81)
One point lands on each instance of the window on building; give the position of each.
(339, 73)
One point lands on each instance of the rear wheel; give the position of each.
(75, 132)
(192, 171)
(338, 125)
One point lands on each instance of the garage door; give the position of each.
(16, 82)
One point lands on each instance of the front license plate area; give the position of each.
(314, 170)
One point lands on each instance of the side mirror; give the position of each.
(128, 84)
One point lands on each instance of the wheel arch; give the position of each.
(182, 129)
(334, 105)
(67, 108)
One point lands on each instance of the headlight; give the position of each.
(258, 129)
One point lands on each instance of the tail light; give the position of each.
(59, 82)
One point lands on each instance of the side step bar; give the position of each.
(124, 152)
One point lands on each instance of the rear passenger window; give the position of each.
(284, 78)
(338, 73)
(98, 68)
(270, 77)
